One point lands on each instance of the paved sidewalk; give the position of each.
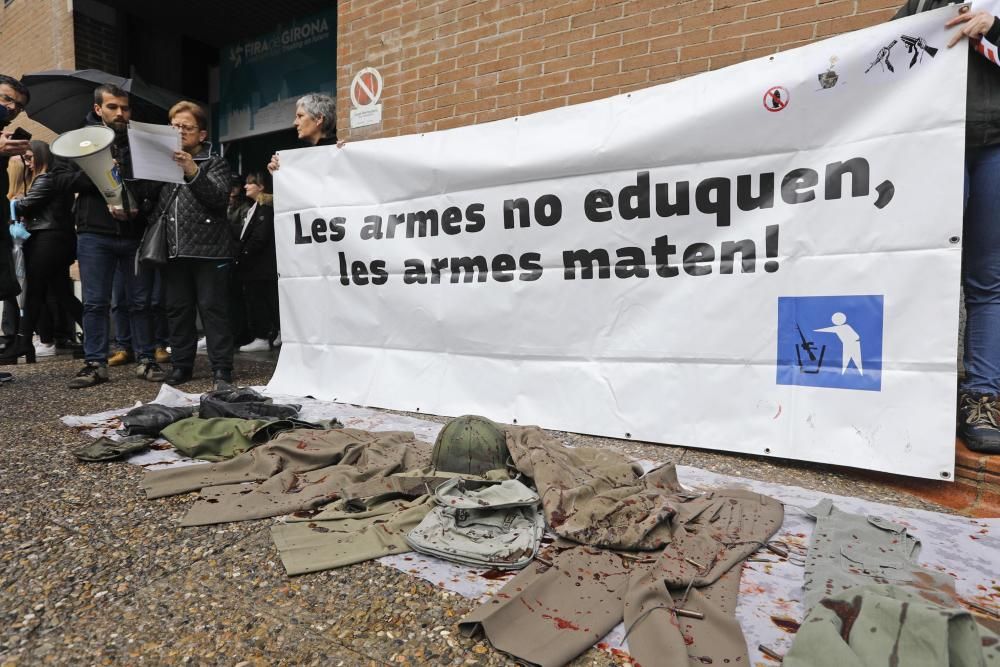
(92, 573)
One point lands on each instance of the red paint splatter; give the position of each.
(786, 624)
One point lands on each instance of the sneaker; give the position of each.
(277, 341)
(222, 379)
(120, 358)
(150, 370)
(978, 422)
(257, 345)
(178, 376)
(89, 375)
(161, 355)
(43, 350)
(202, 344)
(6, 377)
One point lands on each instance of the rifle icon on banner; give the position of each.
(809, 347)
(883, 57)
(917, 46)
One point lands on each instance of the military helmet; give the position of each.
(470, 445)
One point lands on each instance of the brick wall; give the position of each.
(447, 63)
(97, 44)
(35, 35)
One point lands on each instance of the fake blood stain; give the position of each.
(786, 624)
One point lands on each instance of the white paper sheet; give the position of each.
(152, 148)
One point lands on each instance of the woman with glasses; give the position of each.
(199, 250)
(51, 248)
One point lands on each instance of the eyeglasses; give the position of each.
(7, 100)
(26, 158)
(186, 129)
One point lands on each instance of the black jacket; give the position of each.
(92, 215)
(48, 205)
(255, 259)
(9, 287)
(196, 217)
(982, 100)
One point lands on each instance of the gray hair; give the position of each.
(318, 104)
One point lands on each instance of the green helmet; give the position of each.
(470, 445)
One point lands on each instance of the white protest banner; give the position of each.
(760, 259)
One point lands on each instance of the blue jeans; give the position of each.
(99, 256)
(981, 270)
(120, 312)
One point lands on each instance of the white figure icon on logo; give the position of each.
(849, 338)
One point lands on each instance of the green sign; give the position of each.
(260, 78)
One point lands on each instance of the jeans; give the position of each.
(120, 312)
(99, 256)
(981, 270)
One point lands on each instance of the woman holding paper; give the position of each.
(979, 391)
(51, 248)
(199, 250)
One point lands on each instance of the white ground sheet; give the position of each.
(769, 607)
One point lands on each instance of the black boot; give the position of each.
(222, 379)
(21, 347)
(178, 375)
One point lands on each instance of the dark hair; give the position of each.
(41, 156)
(17, 86)
(261, 178)
(109, 88)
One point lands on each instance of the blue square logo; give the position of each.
(830, 341)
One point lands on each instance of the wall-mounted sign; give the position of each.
(366, 91)
(262, 77)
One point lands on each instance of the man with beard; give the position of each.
(106, 241)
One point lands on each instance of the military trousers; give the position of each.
(678, 603)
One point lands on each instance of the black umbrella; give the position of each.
(61, 99)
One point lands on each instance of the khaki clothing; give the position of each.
(414, 483)
(369, 521)
(549, 614)
(881, 624)
(483, 525)
(596, 496)
(298, 470)
(342, 535)
(849, 550)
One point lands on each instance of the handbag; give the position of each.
(153, 247)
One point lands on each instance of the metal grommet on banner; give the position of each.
(954, 239)
(964, 9)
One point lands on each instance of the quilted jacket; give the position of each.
(196, 218)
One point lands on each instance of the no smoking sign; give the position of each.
(776, 98)
(366, 91)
